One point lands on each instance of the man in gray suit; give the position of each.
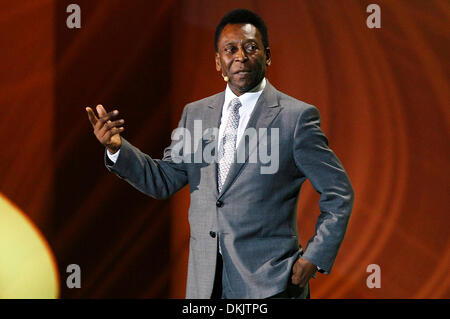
(243, 220)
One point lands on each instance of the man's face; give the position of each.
(242, 57)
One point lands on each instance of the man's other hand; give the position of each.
(302, 271)
(106, 130)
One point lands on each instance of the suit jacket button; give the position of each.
(212, 234)
(219, 203)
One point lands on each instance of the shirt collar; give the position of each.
(248, 98)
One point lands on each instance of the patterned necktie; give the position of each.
(226, 153)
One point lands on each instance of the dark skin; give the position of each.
(106, 130)
(243, 59)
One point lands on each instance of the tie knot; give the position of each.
(235, 104)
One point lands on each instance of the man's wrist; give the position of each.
(112, 151)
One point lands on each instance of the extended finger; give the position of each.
(91, 115)
(105, 118)
(100, 110)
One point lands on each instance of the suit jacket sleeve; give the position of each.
(159, 179)
(328, 177)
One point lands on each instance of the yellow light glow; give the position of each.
(27, 266)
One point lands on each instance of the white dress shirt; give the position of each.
(248, 101)
(113, 157)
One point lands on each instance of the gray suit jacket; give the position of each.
(254, 216)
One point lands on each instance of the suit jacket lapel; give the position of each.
(266, 109)
(211, 119)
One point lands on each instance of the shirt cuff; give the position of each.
(113, 157)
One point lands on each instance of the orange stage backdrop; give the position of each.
(383, 95)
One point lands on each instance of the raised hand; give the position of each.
(106, 130)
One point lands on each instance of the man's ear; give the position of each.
(218, 64)
(268, 56)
